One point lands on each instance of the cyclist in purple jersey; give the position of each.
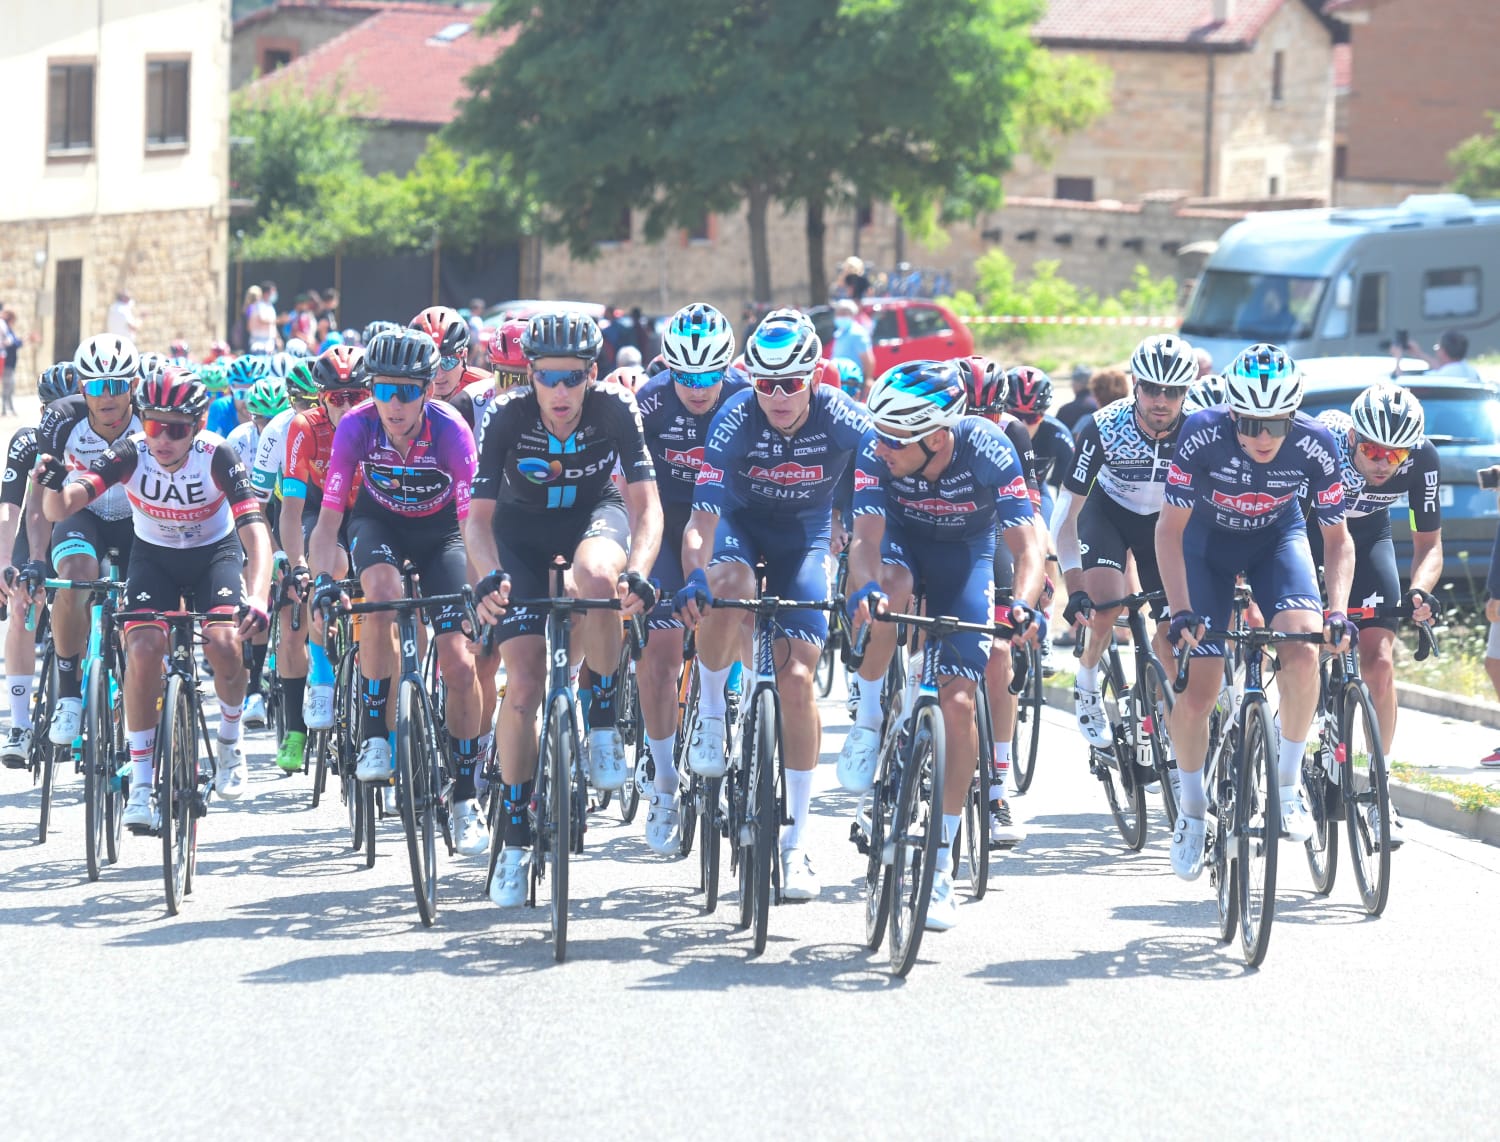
(1231, 507)
(416, 457)
(677, 406)
(776, 459)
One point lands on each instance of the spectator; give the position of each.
(629, 357)
(10, 355)
(121, 320)
(645, 333)
(1107, 386)
(1449, 361)
(475, 318)
(260, 320)
(850, 337)
(1083, 402)
(330, 308)
(304, 325)
(850, 281)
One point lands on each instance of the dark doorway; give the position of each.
(67, 303)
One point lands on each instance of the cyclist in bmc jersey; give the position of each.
(932, 488)
(1232, 506)
(77, 430)
(677, 406)
(198, 526)
(775, 461)
(543, 491)
(1112, 495)
(415, 459)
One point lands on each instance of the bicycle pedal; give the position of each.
(198, 807)
(861, 842)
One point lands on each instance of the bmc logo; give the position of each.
(690, 459)
(708, 474)
(1251, 503)
(788, 473)
(863, 480)
(1176, 475)
(1332, 497)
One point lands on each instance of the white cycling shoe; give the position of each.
(858, 759)
(376, 762)
(67, 718)
(471, 836)
(317, 707)
(508, 885)
(706, 749)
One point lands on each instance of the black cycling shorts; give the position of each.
(1376, 580)
(528, 542)
(1107, 532)
(84, 533)
(201, 579)
(666, 573)
(432, 543)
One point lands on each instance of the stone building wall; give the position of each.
(298, 29)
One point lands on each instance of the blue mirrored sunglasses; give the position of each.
(896, 443)
(446, 363)
(404, 392)
(106, 387)
(549, 378)
(699, 380)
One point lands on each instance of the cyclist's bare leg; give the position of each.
(145, 647)
(802, 728)
(1003, 704)
(1102, 583)
(70, 609)
(525, 659)
(896, 584)
(721, 633)
(221, 646)
(961, 740)
(597, 565)
(1377, 666)
(462, 683)
(656, 675)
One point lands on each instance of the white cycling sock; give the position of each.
(1002, 770)
(1191, 799)
(711, 685)
(798, 805)
(661, 754)
(142, 745)
(20, 700)
(1088, 677)
(1289, 762)
(945, 862)
(229, 720)
(868, 713)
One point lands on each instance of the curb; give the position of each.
(1429, 701)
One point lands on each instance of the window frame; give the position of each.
(1462, 272)
(165, 62)
(68, 64)
(1278, 77)
(1061, 183)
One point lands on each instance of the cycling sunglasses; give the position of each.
(1252, 426)
(551, 378)
(1379, 453)
(447, 363)
(404, 391)
(897, 443)
(767, 386)
(346, 398)
(698, 380)
(171, 429)
(1152, 389)
(107, 387)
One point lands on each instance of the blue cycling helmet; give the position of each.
(245, 371)
(61, 380)
(851, 376)
(918, 398)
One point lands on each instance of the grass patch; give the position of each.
(1470, 796)
(1459, 667)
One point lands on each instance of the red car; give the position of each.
(903, 329)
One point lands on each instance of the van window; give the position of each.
(1450, 293)
(1369, 314)
(1254, 307)
(1336, 320)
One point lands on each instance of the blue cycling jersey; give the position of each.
(1229, 491)
(752, 467)
(223, 418)
(675, 436)
(982, 489)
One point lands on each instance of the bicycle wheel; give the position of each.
(416, 782)
(1028, 732)
(119, 782)
(690, 789)
(711, 826)
(1154, 700)
(555, 795)
(177, 796)
(823, 675)
(976, 822)
(1367, 806)
(1258, 829)
(765, 826)
(317, 749)
(916, 836)
(632, 726)
(742, 818)
(98, 767)
(881, 802)
(1326, 802)
(1223, 869)
(43, 752)
(1116, 767)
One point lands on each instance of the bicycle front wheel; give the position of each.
(1324, 799)
(1258, 826)
(976, 823)
(916, 837)
(177, 796)
(555, 774)
(1222, 791)
(1028, 732)
(1154, 698)
(1367, 806)
(98, 767)
(416, 776)
(766, 823)
(711, 826)
(43, 752)
(1115, 767)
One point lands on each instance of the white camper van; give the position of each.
(1329, 283)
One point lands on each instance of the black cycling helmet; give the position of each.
(408, 354)
(61, 380)
(376, 327)
(562, 334)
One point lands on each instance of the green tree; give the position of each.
(1477, 162)
(289, 144)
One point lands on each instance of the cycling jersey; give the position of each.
(223, 416)
(1128, 466)
(245, 440)
(1416, 480)
(1020, 440)
(981, 490)
(1215, 477)
(463, 396)
(433, 476)
(521, 464)
(750, 467)
(309, 447)
(675, 436)
(200, 503)
(65, 432)
(19, 461)
(270, 454)
(1053, 447)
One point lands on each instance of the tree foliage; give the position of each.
(1477, 162)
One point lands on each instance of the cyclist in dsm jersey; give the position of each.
(416, 459)
(198, 527)
(23, 530)
(1231, 506)
(543, 490)
(776, 460)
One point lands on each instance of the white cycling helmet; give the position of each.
(106, 355)
(1264, 381)
(1206, 392)
(1164, 359)
(698, 340)
(1388, 414)
(281, 365)
(785, 344)
(918, 398)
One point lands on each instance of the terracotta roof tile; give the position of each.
(1154, 23)
(393, 64)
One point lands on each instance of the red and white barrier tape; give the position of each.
(1166, 320)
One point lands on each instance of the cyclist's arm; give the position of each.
(1065, 533)
(644, 504)
(291, 527)
(323, 544)
(1338, 563)
(1028, 554)
(698, 540)
(114, 467)
(479, 537)
(1170, 525)
(1426, 559)
(864, 550)
(232, 477)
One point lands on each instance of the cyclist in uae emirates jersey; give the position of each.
(776, 460)
(543, 490)
(198, 529)
(1231, 506)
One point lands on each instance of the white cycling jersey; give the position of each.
(65, 432)
(270, 454)
(1127, 465)
(245, 439)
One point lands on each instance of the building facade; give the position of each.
(115, 176)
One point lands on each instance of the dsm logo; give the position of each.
(539, 471)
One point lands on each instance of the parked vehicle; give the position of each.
(1349, 282)
(903, 329)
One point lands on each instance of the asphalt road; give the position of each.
(1085, 996)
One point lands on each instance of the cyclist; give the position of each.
(1028, 396)
(450, 333)
(1112, 496)
(546, 457)
(1206, 392)
(416, 458)
(270, 453)
(849, 375)
(340, 376)
(507, 363)
(23, 529)
(77, 430)
(1231, 506)
(677, 407)
(229, 410)
(198, 526)
(934, 487)
(774, 462)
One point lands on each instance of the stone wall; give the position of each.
(393, 147)
(172, 263)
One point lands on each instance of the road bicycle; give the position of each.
(630, 720)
